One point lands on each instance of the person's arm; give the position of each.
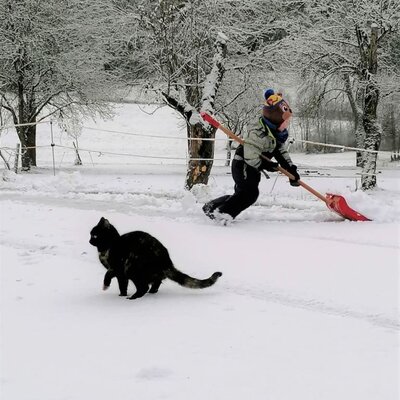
(282, 156)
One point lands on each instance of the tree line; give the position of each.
(67, 59)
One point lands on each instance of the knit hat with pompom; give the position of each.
(276, 109)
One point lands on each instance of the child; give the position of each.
(266, 138)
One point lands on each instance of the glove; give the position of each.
(268, 165)
(293, 170)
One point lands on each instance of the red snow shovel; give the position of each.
(334, 202)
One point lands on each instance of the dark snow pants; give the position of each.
(246, 193)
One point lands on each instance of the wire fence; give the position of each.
(9, 153)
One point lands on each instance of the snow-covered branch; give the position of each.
(214, 78)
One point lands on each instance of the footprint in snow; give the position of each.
(153, 373)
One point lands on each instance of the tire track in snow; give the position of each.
(313, 305)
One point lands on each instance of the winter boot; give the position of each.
(212, 205)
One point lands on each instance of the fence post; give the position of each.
(52, 147)
(16, 159)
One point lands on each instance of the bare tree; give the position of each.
(52, 58)
(349, 41)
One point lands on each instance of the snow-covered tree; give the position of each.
(183, 55)
(184, 50)
(349, 41)
(52, 57)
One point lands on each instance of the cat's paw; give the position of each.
(105, 287)
(136, 295)
(123, 294)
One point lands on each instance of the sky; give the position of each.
(307, 306)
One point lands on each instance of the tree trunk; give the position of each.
(23, 138)
(199, 169)
(373, 131)
(359, 128)
(26, 133)
(392, 128)
(373, 135)
(201, 152)
(31, 144)
(27, 137)
(307, 135)
(228, 152)
(372, 142)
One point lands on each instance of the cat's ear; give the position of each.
(104, 222)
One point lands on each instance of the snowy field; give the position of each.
(307, 307)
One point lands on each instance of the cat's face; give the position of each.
(94, 236)
(100, 233)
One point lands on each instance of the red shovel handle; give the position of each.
(208, 118)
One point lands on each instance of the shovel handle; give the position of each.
(212, 121)
(303, 184)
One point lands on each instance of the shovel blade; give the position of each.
(339, 205)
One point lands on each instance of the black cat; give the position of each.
(140, 257)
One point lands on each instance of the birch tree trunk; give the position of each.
(359, 128)
(373, 130)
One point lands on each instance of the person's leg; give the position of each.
(246, 193)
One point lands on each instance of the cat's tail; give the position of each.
(189, 282)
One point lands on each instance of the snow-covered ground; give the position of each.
(307, 307)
